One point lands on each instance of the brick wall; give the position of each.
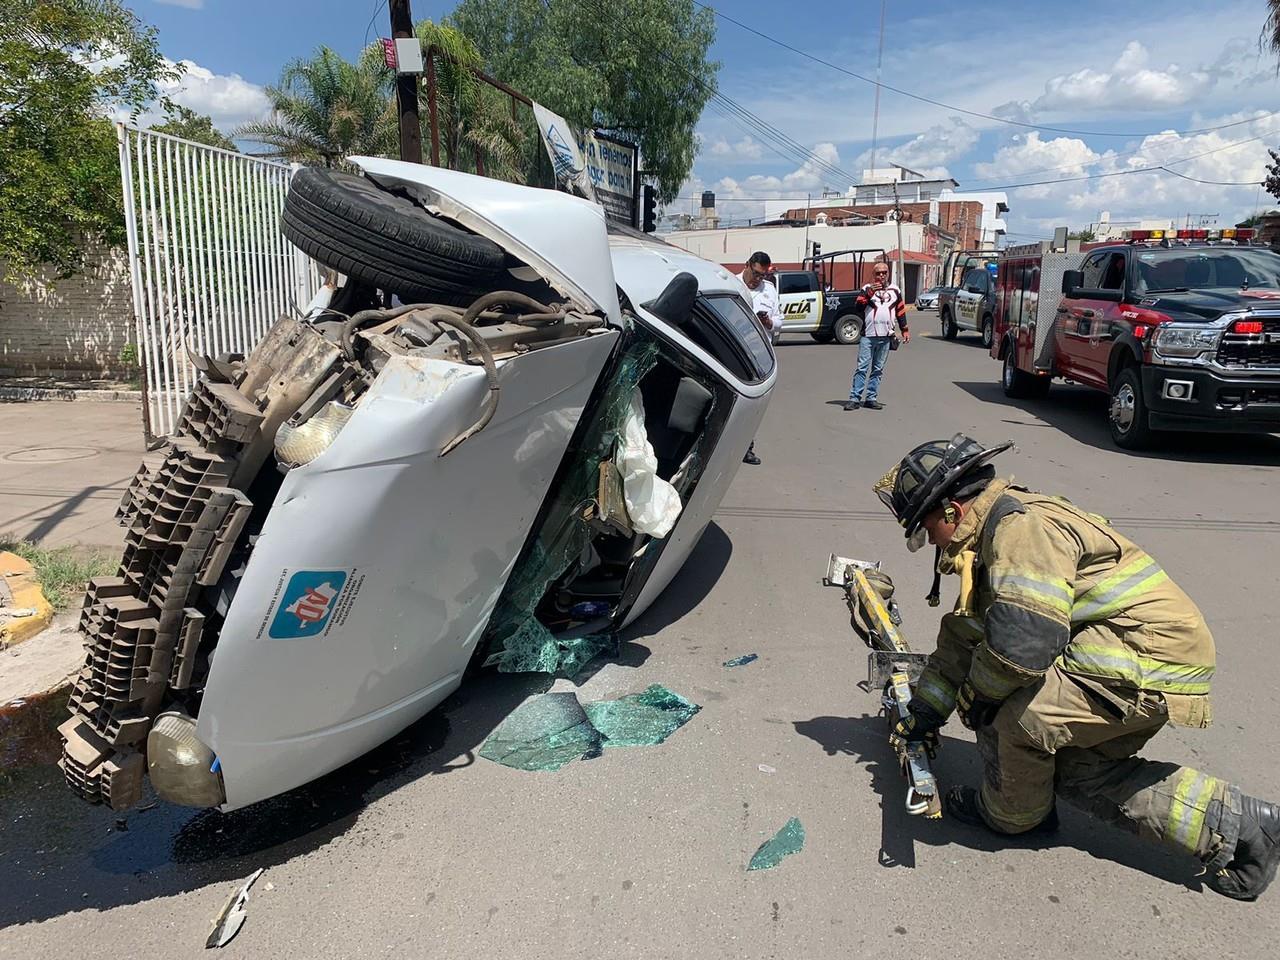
(69, 329)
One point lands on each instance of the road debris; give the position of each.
(765, 768)
(743, 660)
(233, 915)
(544, 733)
(553, 729)
(641, 720)
(788, 840)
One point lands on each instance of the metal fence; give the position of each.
(211, 271)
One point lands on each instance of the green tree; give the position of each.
(637, 69)
(189, 125)
(64, 65)
(1271, 183)
(326, 109)
(1084, 236)
(472, 116)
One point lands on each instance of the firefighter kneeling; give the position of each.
(1068, 650)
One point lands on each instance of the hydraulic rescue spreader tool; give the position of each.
(891, 666)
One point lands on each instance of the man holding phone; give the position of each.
(884, 308)
(764, 301)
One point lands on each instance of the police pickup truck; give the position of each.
(810, 302)
(972, 304)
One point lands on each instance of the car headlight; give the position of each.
(1186, 340)
(298, 444)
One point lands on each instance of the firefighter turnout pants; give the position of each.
(1067, 736)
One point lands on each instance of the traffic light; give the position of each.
(648, 209)
(817, 250)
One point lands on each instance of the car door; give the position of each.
(1096, 319)
(1075, 319)
(969, 298)
(799, 300)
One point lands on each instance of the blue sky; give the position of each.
(1096, 66)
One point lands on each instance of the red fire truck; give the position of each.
(1181, 328)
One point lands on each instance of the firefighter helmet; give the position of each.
(934, 472)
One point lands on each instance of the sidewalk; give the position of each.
(63, 467)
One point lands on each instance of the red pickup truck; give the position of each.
(1181, 330)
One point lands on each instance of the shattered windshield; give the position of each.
(1202, 268)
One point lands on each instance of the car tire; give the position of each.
(823, 336)
(949, 328)
(1019, 384)
(847, 329)
(347, 223)
(1127, 412)
(988, 330)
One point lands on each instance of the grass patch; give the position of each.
(63, 571)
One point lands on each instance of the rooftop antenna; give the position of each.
(875, 116)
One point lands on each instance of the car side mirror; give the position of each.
(1072, 280)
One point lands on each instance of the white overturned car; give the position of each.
(503, 470)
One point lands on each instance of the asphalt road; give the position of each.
(420, 849)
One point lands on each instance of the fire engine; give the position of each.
(1180, 327)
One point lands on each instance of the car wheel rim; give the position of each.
(1008, 372)
(1123, 406)
(849, 329)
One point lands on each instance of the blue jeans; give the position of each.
(872, 353)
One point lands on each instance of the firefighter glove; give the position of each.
(920, 724)
(976, 709)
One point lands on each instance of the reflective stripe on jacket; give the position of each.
(1054, 583)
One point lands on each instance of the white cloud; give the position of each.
(187, 4)
(929, 152)
(1232, 171)
(228, 98)
(745, 149)
(1133, 83)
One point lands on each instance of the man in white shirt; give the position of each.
(764, 302)
(884, 308)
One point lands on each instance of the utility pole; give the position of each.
(875, 117)
(897, 219)
(406, 88)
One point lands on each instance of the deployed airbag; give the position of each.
(652, 503)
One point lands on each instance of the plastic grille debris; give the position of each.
(743, 660)
(788, 840)
(553, 729)
(641, 720)
(232, 915)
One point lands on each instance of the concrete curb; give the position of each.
(28, 394)
(21, 592)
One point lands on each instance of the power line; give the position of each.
(1215, 183)
(948, 106)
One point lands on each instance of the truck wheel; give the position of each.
(823, 336)
(1127, 412)
(948, 325)
(848, 329)
(348, 224)
(1019, 384)
(988, 331)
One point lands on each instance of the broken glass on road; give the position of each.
(788, 840)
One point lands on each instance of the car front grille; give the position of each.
(1252, 349)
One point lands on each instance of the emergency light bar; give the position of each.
(1230, 233)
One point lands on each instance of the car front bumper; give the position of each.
(1210, 402)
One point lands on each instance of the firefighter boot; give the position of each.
(1257, 853)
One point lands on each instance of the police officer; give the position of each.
(1069, 648)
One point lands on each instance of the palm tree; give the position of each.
(1271, 29)
(326, 109)
(474, 118)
